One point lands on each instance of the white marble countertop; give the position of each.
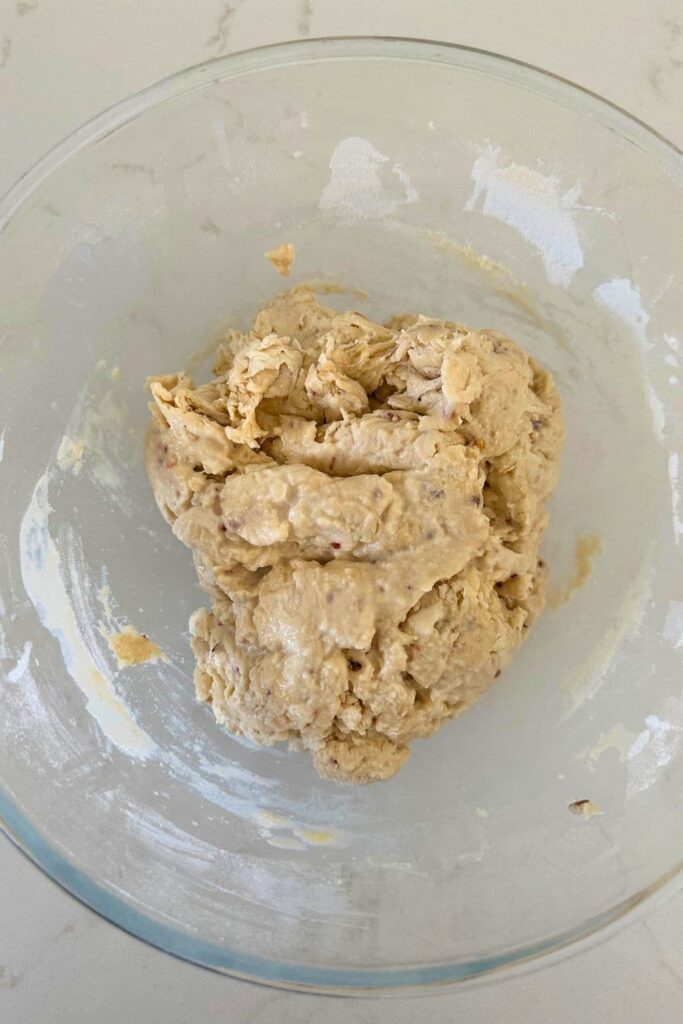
(61, 61)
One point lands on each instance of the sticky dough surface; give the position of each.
(364, 504)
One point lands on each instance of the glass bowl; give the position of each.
(433, 178)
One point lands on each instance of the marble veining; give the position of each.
(5, 50)
(26, 7)
(218, 42)
(303, 25)
(666, 69)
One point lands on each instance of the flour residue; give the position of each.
(44, 581)
(361, 182)
(100, 428)
(618, 738)
(671, 357)
(623, 299)
(104, 596)
(676, 502)
(587, 548)
(2, 446)
(300, 835)
(133, 648)
(672, 631)
(655, 747)
(534, 205)
(17, 673)
(70, 455)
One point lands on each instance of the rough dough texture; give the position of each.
(364, 504)
(282, 258)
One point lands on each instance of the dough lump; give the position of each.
(364, 504)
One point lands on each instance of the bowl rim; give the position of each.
(182, 82)
(18, 828)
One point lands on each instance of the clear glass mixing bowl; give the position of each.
(437, 179)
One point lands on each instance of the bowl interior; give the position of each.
(432, 180)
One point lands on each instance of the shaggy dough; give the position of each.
(364, 504)
(282, 258)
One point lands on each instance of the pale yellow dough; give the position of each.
(282, 258)
(364, 504)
